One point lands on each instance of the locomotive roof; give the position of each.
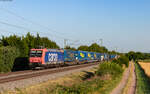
(55, 50)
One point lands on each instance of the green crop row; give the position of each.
(143, 81)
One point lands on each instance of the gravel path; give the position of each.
(132, 87)
(121, 85)
(36, 80)
(129, 72)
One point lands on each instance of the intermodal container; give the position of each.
(112, 56)
(106, 57)
(81, 55)
(98, 56)
(69, 55)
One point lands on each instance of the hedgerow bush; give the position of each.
(122, 60)
(7, 58)
(86, 87)
(109, 68)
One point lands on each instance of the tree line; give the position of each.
(14, 50)
(93, 48)
(137, 55)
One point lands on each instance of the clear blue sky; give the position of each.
(122, 24)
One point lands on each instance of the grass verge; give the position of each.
(102, 82)
(98, 81)
(143, 81)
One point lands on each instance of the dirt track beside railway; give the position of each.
(128, 83)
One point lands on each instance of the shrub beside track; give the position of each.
(7, 58)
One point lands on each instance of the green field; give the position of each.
(143, 82)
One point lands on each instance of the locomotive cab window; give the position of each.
(36, 54)
(39, 54)
(32, 53)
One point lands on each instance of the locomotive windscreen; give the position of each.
(36, 53)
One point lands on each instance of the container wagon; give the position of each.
(70, 57)
(81, 57)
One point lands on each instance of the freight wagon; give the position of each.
(81, 56)
(106, 56)
(70, 57)
(89, 57)
(98, 56)
(113, 56)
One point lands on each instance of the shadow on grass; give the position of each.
(87, 75)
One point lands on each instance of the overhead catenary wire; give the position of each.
(24, 28)
(16, 26)
(6, 31)
(32, 22)
(89, 42)
(37, 24)
(9, 31)
(20, 27)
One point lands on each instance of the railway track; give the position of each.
(14, 73)
(4, 78)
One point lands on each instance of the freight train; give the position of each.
(45, 58)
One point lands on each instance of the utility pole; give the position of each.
(116, 49)
(101, 40)
(122, 50)
(65, 43)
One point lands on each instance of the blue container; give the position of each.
(92, 55)
(95, 56)
(89, 56)
(98, 56)
(112, 56)
(53, 56)
(69, 55)
(106, 56)
(81, 55)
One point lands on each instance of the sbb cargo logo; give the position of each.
(52, 57)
